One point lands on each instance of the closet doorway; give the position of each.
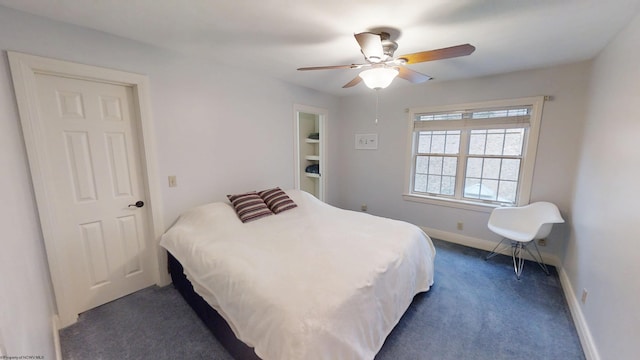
(310, 152)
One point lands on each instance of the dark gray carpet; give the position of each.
(475, 310)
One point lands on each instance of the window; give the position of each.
(474, 154)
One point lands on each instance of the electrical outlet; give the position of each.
(460, 225)
(363, 207)
(584, 296)
(542, 242)
(173, 181)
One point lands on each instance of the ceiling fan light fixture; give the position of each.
(378, 77)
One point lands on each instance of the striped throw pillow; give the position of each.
(277, 200)
(249, 206)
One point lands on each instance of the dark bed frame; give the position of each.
(210, 317)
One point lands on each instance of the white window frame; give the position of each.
(528, 155)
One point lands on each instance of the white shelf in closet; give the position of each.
(312, 141)
(312, 175)
(312, 157)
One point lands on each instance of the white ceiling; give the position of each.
(275, 37)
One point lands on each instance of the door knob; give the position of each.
(137, 204)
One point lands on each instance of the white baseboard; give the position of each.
(55, 325)
(588, 346)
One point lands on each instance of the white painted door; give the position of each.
(95, 169)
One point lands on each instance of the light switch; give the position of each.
(366, 141)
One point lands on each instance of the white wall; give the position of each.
(377, 177)
(218, 129)
(602, 254)
(223, 131)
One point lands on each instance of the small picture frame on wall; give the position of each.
(366, 141)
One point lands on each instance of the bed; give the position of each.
(312, 282)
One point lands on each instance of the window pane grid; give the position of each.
(492, 179)
(435, 174)
(497, 142)
(438, 142)
(475, 153)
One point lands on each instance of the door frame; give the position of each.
(24, 68)
(323, 115)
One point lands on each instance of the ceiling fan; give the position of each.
(383, 67)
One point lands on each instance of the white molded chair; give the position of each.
(523, 225)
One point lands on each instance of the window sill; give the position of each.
(458, 204)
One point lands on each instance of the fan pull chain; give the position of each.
(377, 101)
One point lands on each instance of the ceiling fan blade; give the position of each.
(439, 54)
(332, 67)
(371, 45)
(356, 80)
(412, 76)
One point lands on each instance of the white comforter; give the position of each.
(314, 282)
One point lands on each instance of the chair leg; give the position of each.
(517, 249)
(516, 255)
(539, 258)
(494, 252)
